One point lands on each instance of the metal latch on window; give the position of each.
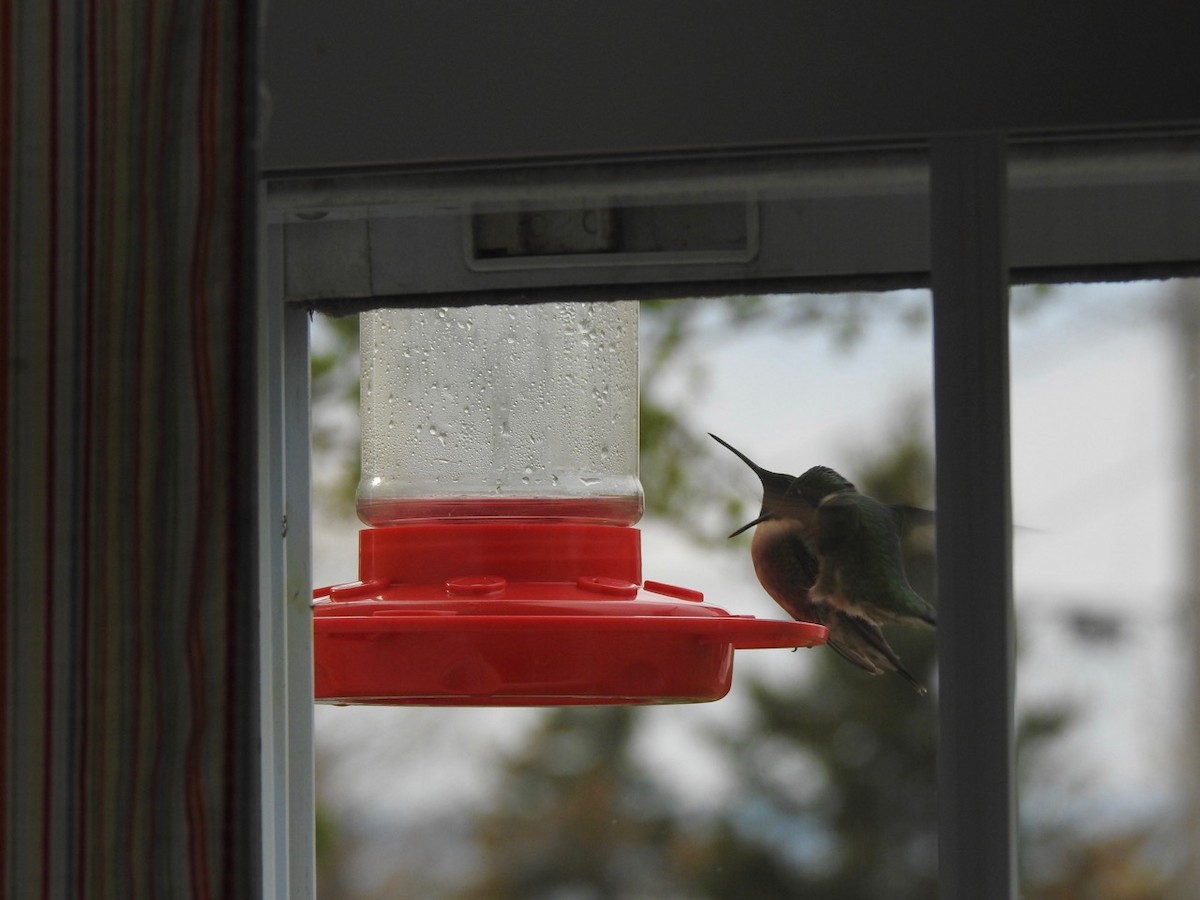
(629, 232)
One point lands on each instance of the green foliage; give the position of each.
(576, 817)
(334, 355)
(1109, 869)
(334, 384)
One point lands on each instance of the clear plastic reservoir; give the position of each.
(527, 411)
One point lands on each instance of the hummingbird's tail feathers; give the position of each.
(873, 637)
(853, 657)
(907, 676)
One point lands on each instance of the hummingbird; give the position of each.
(827, 553)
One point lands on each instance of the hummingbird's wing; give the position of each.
(845, 519)
(787, 569)
(910, 517)
(862, 569)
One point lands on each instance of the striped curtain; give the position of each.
(128, 709)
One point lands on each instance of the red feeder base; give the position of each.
(524, 614)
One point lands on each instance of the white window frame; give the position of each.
(963, 213)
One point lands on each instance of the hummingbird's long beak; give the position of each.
(774, 484)
(758, 470)
(751, 524)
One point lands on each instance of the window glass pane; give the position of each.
(810, 776)
(1103, 394)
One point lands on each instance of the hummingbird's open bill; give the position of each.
(827, 553)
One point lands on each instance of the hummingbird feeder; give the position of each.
(501, 566)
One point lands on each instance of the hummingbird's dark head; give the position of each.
(818, 483)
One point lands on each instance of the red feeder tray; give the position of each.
(524, 614)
